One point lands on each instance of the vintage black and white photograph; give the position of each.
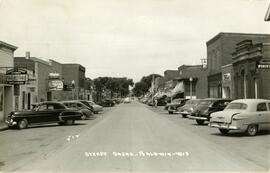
(134, 86)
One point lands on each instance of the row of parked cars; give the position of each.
(246, 115)
(63, 112)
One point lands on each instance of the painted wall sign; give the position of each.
(55, 85)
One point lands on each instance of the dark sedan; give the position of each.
(107, 103)
(44, 113)
(206, 107)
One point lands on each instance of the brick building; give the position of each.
(191, 76)
(251, 65)
(219, 54)
(74, 74)
(37, 87)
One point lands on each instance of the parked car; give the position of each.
(161, 101)
(206, 107)
(248, 115)
(44, 113)
(107, 103)
(175, 104)
(188, 108)
(95, 107)
(127, 100)
(78, 105)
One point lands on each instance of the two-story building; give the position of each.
(6, 90)
(219, 60)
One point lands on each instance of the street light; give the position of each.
(190, 79)
(73, 88)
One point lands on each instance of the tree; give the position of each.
(119, 86)
(144, 84)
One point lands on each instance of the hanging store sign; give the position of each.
(16, 76)
(264, 64)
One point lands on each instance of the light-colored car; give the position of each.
(78, 105)
(96, 108)
(127, 100)
(188, 108)
(249, 115)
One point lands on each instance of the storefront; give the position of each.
(251, 64)
(227, 81)
(6, 100)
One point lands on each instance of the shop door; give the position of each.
(29, 101)
(1, 103)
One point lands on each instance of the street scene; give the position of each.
(125, 86)
(107, 142)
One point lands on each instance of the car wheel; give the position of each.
(184, 116)
(23, 124)
(224, 131)
(252, 130)
(61, 123)
(200, 122)
(83, 117)
(170, 112)
(70, 122)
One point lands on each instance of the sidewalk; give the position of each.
(3, 126)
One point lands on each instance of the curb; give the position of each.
(3, 126)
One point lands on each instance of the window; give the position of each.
(237, 106)
(42, 108)
(261, 107)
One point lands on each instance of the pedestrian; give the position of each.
(156, 101)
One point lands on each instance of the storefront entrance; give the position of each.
(6, 101)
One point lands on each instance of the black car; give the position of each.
(175, 104)
(207, 106)
(44, 113)
(107, 103)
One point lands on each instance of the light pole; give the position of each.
(190, 79)
(73, 89)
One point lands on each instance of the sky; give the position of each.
(125, 38)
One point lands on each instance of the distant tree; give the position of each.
(119, 86)
(144, 84)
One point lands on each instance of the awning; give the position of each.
(179, 88)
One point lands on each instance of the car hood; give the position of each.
(224, 116)
(201, 108)
(173, 104)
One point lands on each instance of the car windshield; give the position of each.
(192, 102)
(236, 106)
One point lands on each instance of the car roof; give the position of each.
(249, 101)
(214, 99)
(71, 101)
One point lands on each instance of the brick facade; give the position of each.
(219, 53)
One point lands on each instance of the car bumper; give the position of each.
(184, 113)
(223, 126)
(197, 118)
(11, 123)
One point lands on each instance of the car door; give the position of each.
(42, 114)
(262, 115)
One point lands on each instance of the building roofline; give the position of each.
(8, 45)
(233, 33)
(35, 59)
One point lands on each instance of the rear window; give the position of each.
(242, 106)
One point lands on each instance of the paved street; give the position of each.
(132, 138)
